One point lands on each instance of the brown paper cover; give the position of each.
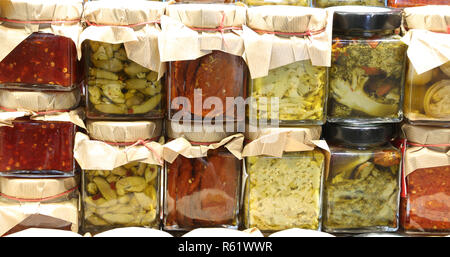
(181, 146)
(124, 131)
(266, 51)
(124, 17)
(13, 34)
(179, 41)
(74, 116)
(275, 141)
(419, 157)
(98, 155)
(428, 38)
(200, 132)
(13, 212)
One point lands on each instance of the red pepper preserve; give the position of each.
(202, 191)
(37, 147)
(411, 3)
(425, 208)
(42, 61)
(38, 44)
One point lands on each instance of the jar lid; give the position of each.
(365, 19)
(359, 136)
(200, 132)
(36, 188)
(124, 131)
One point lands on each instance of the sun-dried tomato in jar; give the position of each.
(41, 61)
(426, 207)
(203, 192)
(217, 74)
(37, 147)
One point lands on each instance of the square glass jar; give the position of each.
(203, 192)
(329, 3)
(42, 62)
(40, 148)
(118, 88)
(127, 196)
(366, 79)
(425, 209)
(299, 90)
(305, 3)
(362, 190)
(283, 193)
(427, 96)
(207, 87)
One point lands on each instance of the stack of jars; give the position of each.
(121, 155)
(362, 187)
(425, 192)
(39, 94)
(287, 52)
(206, 74)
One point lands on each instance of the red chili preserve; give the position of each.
(37, 147)
(412, 3)
(43, 61)
(426, 207)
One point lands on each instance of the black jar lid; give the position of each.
(365, 19)
(359, 136)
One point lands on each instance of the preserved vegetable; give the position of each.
(41, 61)
(283, 193)
(362, 190)
(300, 90)
(412, 3)
(37, 147)
(426, 207)
(119, 88)
(125, 196)
(366, 79)
(203, 192)
(282, 2)
(217, 74)
(427, 95)
(328, 3)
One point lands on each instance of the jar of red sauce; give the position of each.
(33, 147)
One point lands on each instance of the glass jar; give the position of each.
(328, 3)
(275, 2)
(300, 90)
(412, 3)
(202, 192)
(208, 80)
(127, 196)
(283, 193)
(37, 148)
(367, 67)
(361, 192)
(425, 208)
(42, 62)
(118, 88)
(427, 96)
(39, 203)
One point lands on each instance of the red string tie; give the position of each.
(39, 199)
